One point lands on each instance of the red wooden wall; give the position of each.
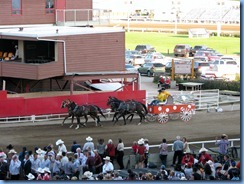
(15, 107)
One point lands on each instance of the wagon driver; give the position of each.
(161, 97)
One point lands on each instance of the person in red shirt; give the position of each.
(204, 157)
(141, 153)
(110, 150)
(188, 158)
(134, 147)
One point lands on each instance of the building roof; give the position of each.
(54, 31)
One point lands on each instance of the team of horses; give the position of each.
(119, 107)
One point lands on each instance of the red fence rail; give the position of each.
(20, 106)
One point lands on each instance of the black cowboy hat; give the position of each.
(163, 88)
(10, 147)
(160, 90)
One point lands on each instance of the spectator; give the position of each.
(223, 144)
(90, 162)
(67, 167)
(203, 156)
(14, 168)
(187, 158)
(186, 145)
(101, 148)
(74, 146)
(76, 166)
(188, 170)
(61, 146)
(98, 163)
(120, 154)
(163, 153)
(226, 163)
(140, 156)
(134, 147)
(178, 146)
(110, 150)
(27, 165)
(233, 170)
(35, 164)
(146, 144)
(108, 166)
(88, 143)
(46, 162)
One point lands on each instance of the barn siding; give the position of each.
(97, 52)
(78, 4)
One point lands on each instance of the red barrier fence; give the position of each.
(19, 106)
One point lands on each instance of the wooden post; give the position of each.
(192, 68)
(173, 70)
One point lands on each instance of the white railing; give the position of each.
(201, 143)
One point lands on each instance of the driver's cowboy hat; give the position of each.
(89, 138)
(59, 142)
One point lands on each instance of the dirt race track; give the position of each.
(229, 28)
(203, 126)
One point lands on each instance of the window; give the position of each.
(49, 6)
(16, 7)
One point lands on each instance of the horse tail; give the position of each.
(100, 111)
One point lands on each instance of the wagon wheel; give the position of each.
(163, 118)
(174, 116)
(151, 117)
(186, 115)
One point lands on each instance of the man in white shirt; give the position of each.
(108, 167)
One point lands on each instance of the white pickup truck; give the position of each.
(222, 69)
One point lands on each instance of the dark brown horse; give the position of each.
(77, 111)
(122, 108)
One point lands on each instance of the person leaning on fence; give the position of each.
(161, 97)
(223, 144)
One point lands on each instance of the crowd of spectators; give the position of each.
(96, 162)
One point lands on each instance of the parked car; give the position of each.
(226, 69)
(200, 67)
(227, 58)
(129, 67)
(197, 48)
(134, 59)
(183, 50)
(151, 68)
(207, 55)
(144, 49)
(155, 57)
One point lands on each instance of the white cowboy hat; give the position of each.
(187, 151)
(40, 170)
(89, 138)
(88, 174)
(202, 150)
(107, 158)
(141, 141)
(59, 142)
(39, 151)
(12, 151)
(30, 176)
(46, 169)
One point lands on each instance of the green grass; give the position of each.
(165, 43)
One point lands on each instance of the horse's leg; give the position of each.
(72, 121)
(95, 119)
(99, 121)
(141, 116)
(132, 115)
(64, 120)
(78, 123)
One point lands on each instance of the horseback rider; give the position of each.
(161, 97)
